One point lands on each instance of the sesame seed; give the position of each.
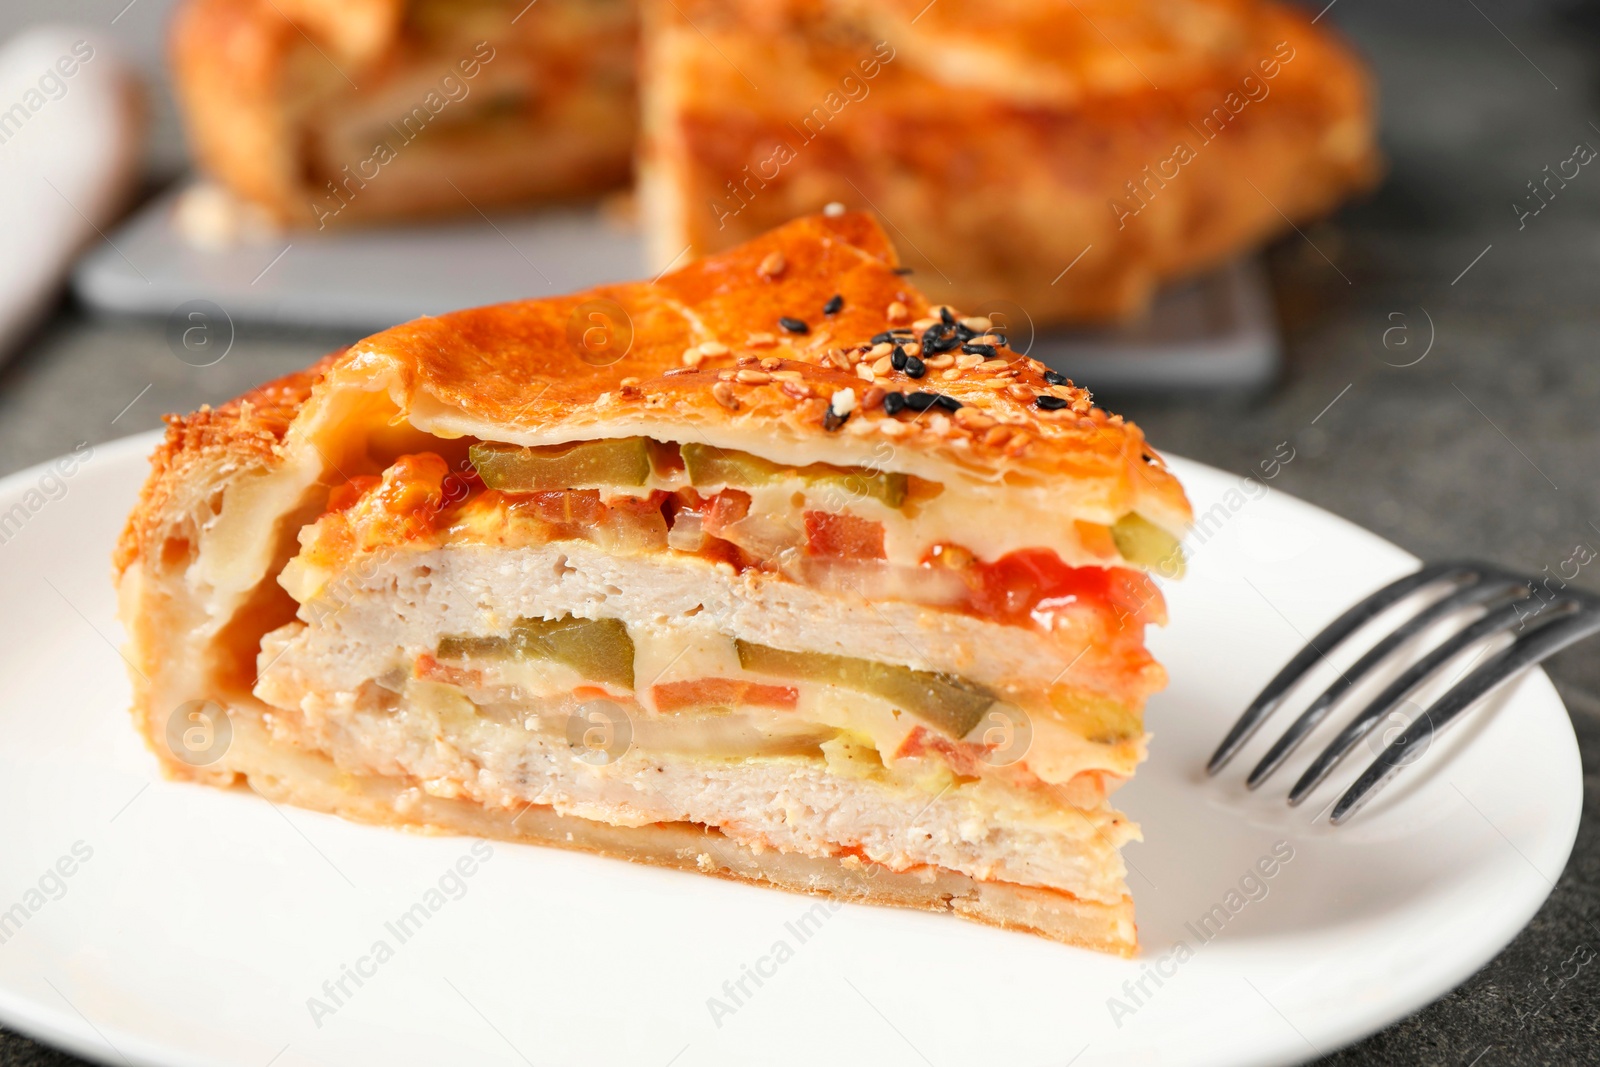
(940, 362)
(921, 401)
(897, 359)
(833, 210)
(974, 349)
(1050, 403)
(949, 403)
(676, 371)
(924, 324)
(787, 375)
(893, 403)
(723, 394)
(772, 266)
(1019, 392)
(753, 377)
(771, 363)
(1056, 378)
(713, 348)
(795, 390)
(950, 375)
(967, 362)
(980, 323)
(835, 302)
(915, 368)
(760, 340)
(945, 315)
(692, 357)
(903, 271)
(881, 348)
(882, 366)
(897, 312)
(884, 338)
(963, 332)
(629, 381)
(793, 325)
(864, 372)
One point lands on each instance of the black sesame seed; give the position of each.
(945, 317)
(965, 332)
(915, 368)
(832, 420)
(971, 349)
(897, 359)
(933, 333)
(885, 338)
(835, 302)
(999, 338)
(1055, 377)
(904, 331)
(902, 271)
(1049, 403)
(793, 325)
(949, 403)
(893, 403)
(940, 344)
(921, 401)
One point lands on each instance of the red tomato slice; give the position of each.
(843, 536)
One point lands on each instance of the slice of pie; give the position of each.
(767, 569)
(1064, 156)
(325, 112)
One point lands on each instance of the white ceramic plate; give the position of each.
(196, 924)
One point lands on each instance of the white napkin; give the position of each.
(70, 124)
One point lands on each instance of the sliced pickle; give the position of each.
(945, 702)
(462, 646)
(624, 461)
(1095, 718)
(1144, 543)
(710, 467)
(598, 649)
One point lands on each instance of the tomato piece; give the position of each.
(722, 692)
(1031, 581)
(843, 536)
(726, 508)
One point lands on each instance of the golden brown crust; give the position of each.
(1005, 142)
(245, 432)
(523, 367)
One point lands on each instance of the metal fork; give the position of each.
(1546, 621)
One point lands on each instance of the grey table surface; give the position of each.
(1485, 447)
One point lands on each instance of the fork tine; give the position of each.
(1475, 593)
(1393, 694)
(1267, 701)
(1569, 625)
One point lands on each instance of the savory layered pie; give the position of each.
(326, 112)
(1062, 155)
(768, 569)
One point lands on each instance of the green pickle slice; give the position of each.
(624, 461)
(953, 705)
(1143, 542)
(598, 649)
(710, 467)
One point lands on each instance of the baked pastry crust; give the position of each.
(1065, 156)
(288, 102)
(231, 489)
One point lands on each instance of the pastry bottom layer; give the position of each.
(310, 780)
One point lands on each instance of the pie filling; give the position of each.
(563, 710)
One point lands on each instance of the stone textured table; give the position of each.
(1486, 447)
